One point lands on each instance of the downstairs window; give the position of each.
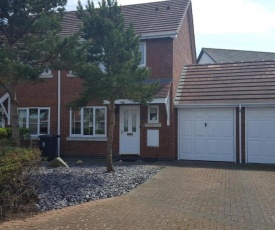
(88, 121)
(35, 119)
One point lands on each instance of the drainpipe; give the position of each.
(58, 110)
(240, 134)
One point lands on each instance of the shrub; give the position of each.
(24, 134)
(6, 143)
(16, 190)
(3, 133)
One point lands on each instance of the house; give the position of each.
(167, 44)
(227, 112)
(210, 55)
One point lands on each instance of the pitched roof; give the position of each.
(228, 55)
(230, 83)
(149, 19)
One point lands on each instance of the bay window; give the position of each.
(88, 121)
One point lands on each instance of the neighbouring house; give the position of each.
(210, 55)
(167, 44)
(226, 112)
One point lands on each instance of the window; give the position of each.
(88, 121)
(142, 50)
(47, 73)
(35, 119)
(70, 74)
(153, 114)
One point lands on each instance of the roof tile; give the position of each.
(249, 82)
(145, 18)
(228, 55)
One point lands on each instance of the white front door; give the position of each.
(206, 134)
(260, 135)
(129, 141)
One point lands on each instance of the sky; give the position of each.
(227, 24)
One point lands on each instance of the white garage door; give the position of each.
(260, 135)
(206, 134)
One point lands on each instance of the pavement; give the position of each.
(183, 195)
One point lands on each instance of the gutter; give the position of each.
(186, 106)
(168, 34)
(58, 110)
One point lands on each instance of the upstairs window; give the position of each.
(35, 119)
(70, 74)
(142, 50)
(47, 73)
(88, 121)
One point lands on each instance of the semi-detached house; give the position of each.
(166, 44)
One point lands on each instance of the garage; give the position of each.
(226, 112)
(207, 134)
(260, 135)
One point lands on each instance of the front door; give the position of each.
(129, 130)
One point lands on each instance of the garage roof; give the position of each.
(228, 83)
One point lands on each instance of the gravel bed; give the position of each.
(61, 187)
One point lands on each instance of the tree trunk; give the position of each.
(14, 115)
(109, 156)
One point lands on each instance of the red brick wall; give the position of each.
(183, 51)
(159, 57)
(71, 87)
(165, 145)
(40, 94)
(243, 135)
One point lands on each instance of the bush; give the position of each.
(24, 134)
(5, 133)
(16, 190)
(6, 143)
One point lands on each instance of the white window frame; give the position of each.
(152, 107)
(144, 52)
(82, 122)
(38, 118)
(47, 73)
(70, 74)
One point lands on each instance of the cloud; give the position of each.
(71, 5)
(233, 16)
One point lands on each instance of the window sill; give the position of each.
(158, 125)
(46, 76)
(71, 75)
(86, 138)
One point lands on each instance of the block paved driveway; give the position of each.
(183, 195)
